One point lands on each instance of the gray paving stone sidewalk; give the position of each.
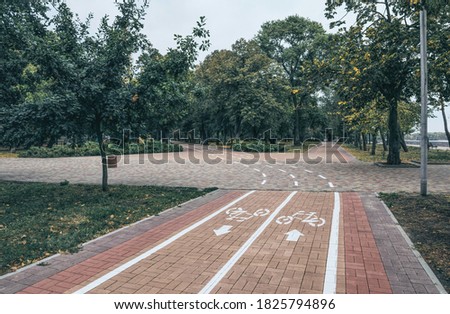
(232, 172)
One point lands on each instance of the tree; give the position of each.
(389, 44)
(105, 68)
(439, 59)
(243, 90)
(164, 80)
(296, 44)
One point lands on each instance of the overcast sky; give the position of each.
(227, 20)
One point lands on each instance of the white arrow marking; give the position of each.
(222, 230)
(294, 235)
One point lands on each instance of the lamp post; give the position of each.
(424, 101)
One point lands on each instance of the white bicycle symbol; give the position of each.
(311, 218)
(239, 214)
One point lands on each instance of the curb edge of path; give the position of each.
(416, 253)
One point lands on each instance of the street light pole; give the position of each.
(424, 100)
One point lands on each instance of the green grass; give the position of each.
(426, 221)
(39, 220)
(434, 155)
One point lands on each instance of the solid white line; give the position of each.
(226, 268)
(322, 177)
(331, 184)
(139, 258)
(329, 286)
(282, 170)
(292, 176)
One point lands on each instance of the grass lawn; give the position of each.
(38, 220)
(426, 220)
(434, 155)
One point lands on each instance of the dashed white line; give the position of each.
(293, 167)
(257, 170)
(264, 182)
(331, 184)
(322, 177)
(264, 175)
(329, 286)
(270, 167)
(226, 268)
(282, 170)
(296, 183)
(309, 171)
(155, 249)
(292, 176)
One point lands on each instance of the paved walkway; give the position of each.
(289, 240)
(322, 169)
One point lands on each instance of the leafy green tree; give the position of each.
(164, 80)
(384, 60)
(439, 58)
(296, 44)
(243, 91)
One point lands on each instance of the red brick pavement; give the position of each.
(366, 256)
(364, 270)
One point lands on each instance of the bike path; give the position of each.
(245, 242)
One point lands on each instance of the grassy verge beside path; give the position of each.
(434, 155)
(426, 220)
(38, 220)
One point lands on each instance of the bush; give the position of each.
(92, 149)
(259, 147)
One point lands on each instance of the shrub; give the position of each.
(92, 149)
(254, 147)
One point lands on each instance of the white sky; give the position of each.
(227, 20)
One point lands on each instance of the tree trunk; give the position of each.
(444, 116)
(297, 127)
(374, 144)
(103, 156)
(383, 139)
(402, 141)
(364, 141)
(394, 138)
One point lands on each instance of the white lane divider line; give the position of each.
(226, 268)
(264, 175)
(282, 170)
(331, 184)
(270, 167)
(263, 182)
(322, 177)
(257, 170)
(293, 167)
(292, 176)
(329, 286)
(296, 183)
(309, 171)
(144, 255)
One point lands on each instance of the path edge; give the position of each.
(416, 253)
